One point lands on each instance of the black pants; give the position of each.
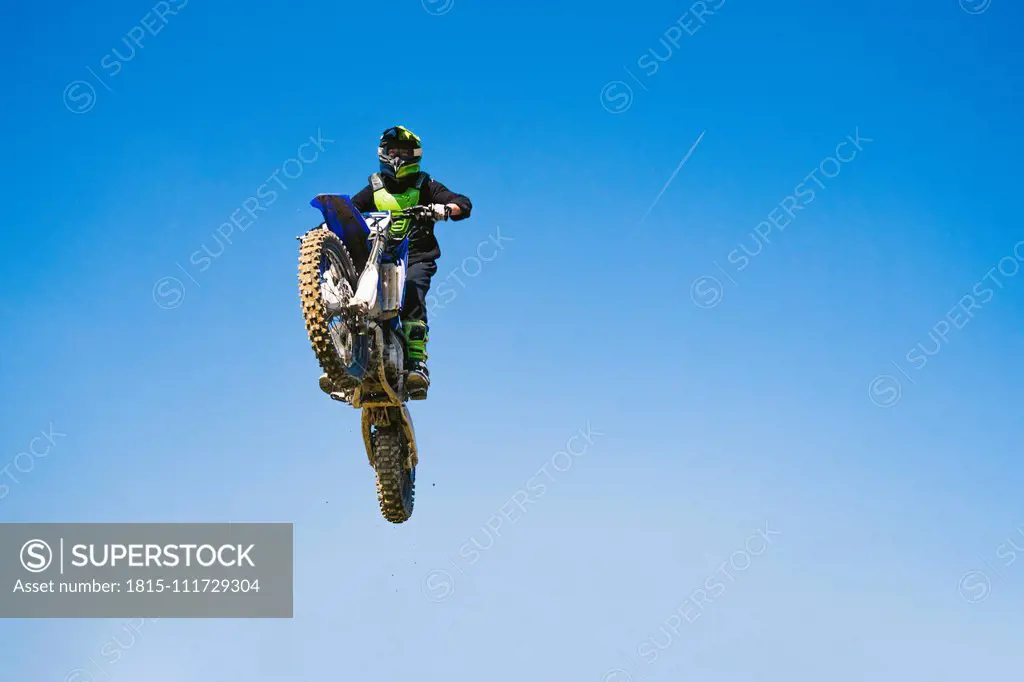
(417, 284)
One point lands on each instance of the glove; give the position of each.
(440, 211)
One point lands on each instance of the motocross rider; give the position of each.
(401, 184)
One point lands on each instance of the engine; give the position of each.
(394, 356)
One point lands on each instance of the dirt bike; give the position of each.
(352, 270)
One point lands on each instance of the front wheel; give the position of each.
(395, 469)
(327, 280)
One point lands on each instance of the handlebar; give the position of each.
(423, 218)
(419, 213)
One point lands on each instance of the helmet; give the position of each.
(399, 152)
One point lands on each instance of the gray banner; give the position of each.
(146, 570)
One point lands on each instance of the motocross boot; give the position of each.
(328, 387)
(418, 380)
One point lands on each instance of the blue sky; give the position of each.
(780, 395)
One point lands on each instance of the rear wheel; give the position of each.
(396, 476)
